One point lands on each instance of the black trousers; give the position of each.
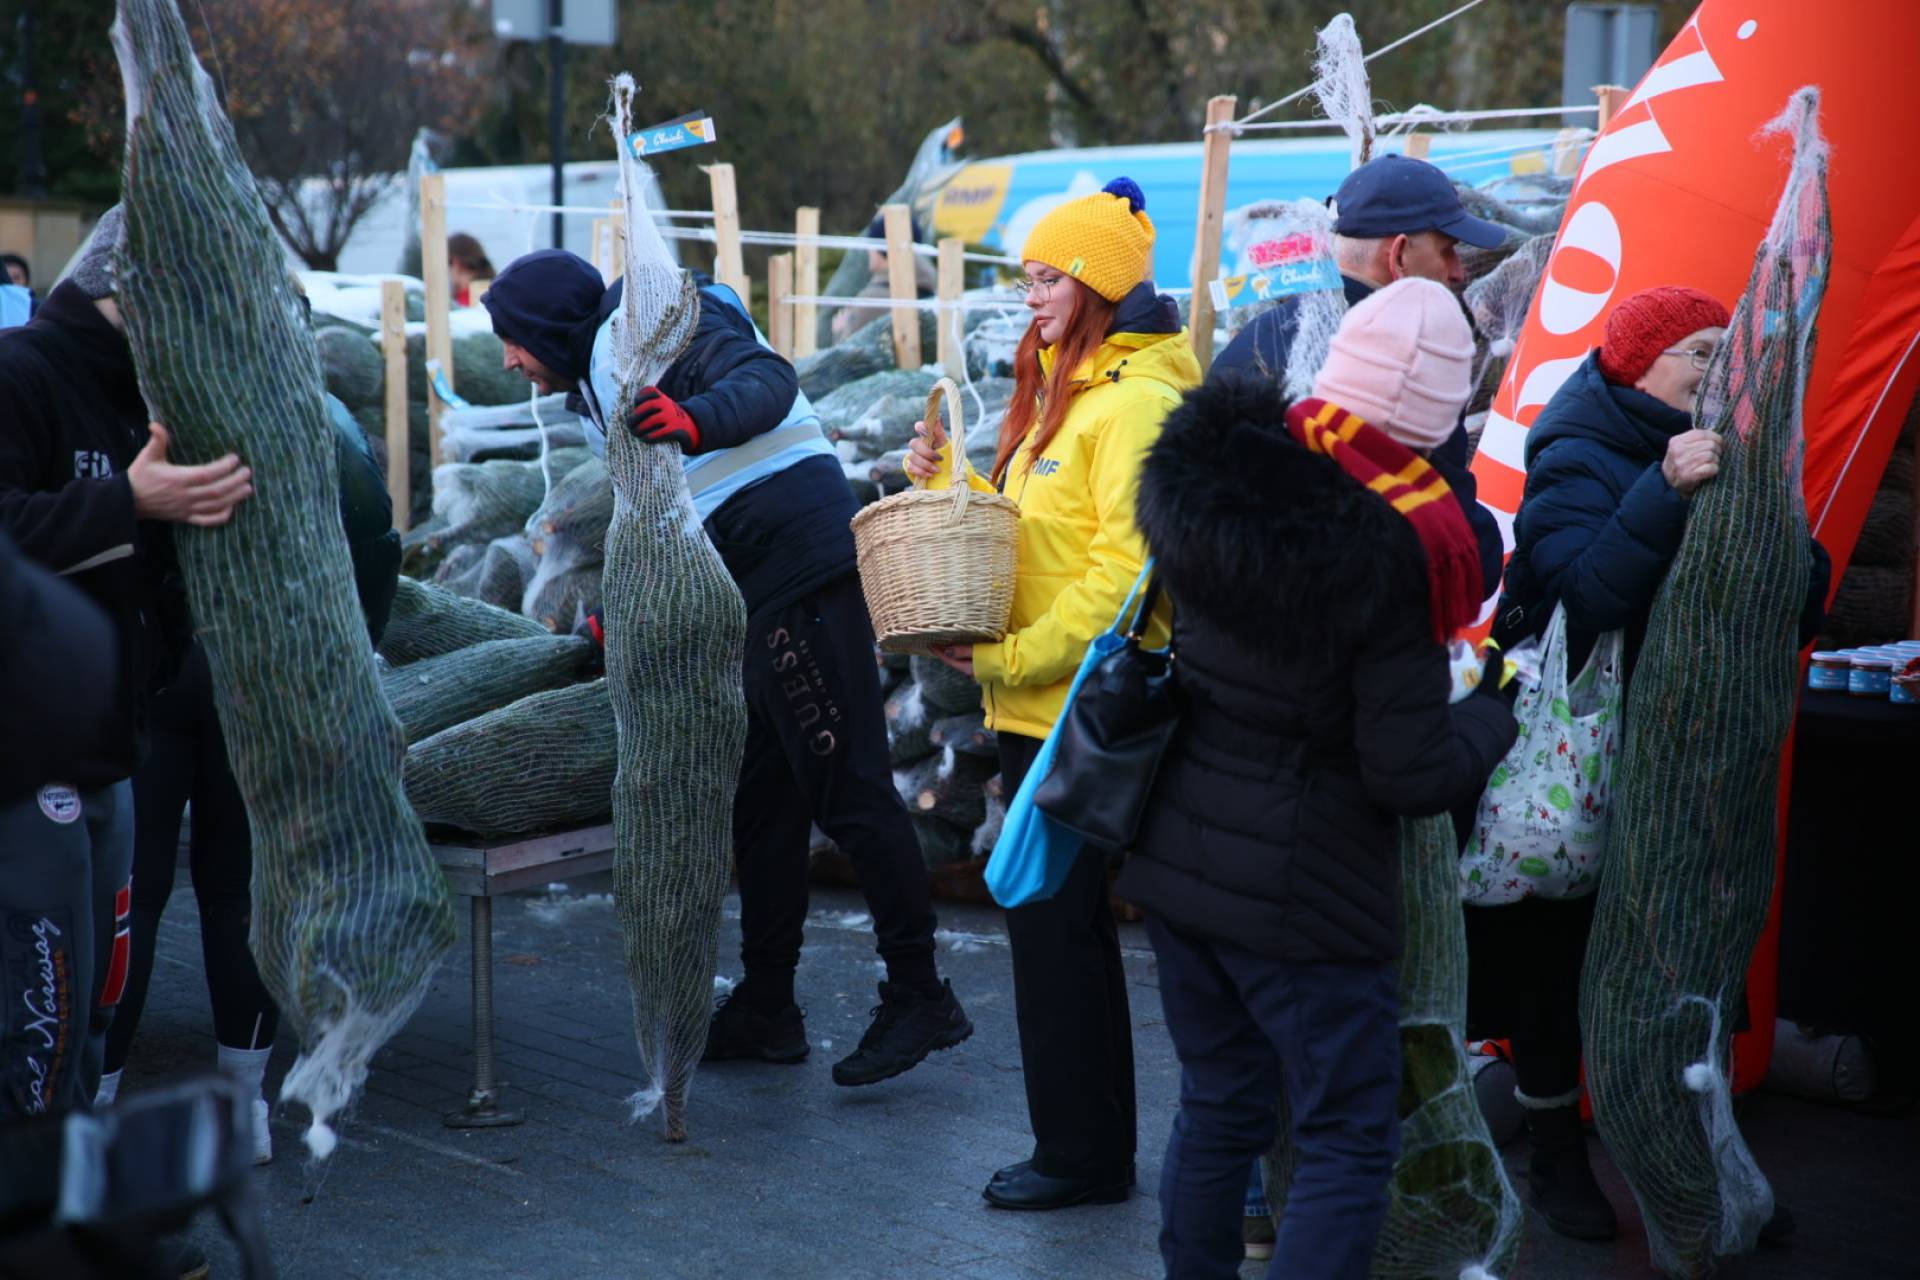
(817, 753)
(1070, 1001)
(1523, 983)
(189, 763)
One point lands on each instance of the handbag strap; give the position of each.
(1143, 615)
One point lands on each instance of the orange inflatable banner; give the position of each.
(1678, 189)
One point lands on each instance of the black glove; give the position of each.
(1492, 671)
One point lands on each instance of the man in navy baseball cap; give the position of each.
(1398, 196)
(1393, 217)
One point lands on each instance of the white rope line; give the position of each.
(1424, 117)
(1576, 136)
(583, 210)
(1298, 94)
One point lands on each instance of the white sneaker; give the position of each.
(262, 1133)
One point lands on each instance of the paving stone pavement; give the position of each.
(786, 1175)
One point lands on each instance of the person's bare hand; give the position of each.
(957, 656)
(1693, 458)
(204, 495)
(922, 462)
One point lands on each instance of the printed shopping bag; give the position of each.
(1542, 821)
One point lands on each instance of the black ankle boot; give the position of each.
(1561, 1179)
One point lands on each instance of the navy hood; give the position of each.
(1144, 309)
(1588, 407)
(549, 302)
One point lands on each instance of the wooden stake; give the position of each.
(1612, 97)
(948, 323)
(779, 310)
(900, 287)
(393, 346)
(729, 267)
(806, 282)
(602, 250)
(433, 264)
(1418, 144)
(617, 241)
(1213, 208)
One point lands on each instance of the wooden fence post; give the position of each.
(806, 281)
(949, 324)
(1218, 142)
(1611, 97)
(900, 284)
(393, 347)
(729, 267)
(433, 269)
(779, 310)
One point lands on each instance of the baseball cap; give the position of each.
(1398, 195)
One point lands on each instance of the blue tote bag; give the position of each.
(1033, 855)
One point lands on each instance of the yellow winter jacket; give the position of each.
(1079, 550)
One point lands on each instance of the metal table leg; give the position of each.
(483, 1109)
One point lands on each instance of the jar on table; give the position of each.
(1871, 675)
(1830, 670)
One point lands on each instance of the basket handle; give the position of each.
(950, 466)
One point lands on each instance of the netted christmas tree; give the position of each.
(1690, 860)
(1452, 1213)
(350, 912)
(676, 636)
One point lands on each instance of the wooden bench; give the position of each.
(479, 870)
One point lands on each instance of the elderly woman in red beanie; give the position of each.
(1613, 462)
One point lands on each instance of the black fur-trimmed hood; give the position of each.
(1277, 548)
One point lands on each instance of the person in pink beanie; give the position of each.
(1402, 360)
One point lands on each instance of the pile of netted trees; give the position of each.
(345, 311)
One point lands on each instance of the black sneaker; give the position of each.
(907, 1026)
(739, 1030)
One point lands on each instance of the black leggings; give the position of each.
(189, 762)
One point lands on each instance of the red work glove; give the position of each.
(658, 418)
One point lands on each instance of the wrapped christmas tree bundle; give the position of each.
(1691, 842)
(676, 635)
(350, 913)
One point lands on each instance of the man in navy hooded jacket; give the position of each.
(1393, 217)
(776, 504)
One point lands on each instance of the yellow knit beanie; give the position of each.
(1105, 240)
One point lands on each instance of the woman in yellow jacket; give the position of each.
(1101, 365)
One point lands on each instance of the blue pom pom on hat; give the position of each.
(1129, 189)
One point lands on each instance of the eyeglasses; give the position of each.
(1027, 286)
(1698, 357)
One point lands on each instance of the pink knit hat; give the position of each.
(1402, 360)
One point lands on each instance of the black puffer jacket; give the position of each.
(1317, 707)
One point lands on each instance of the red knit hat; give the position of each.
(1651, 321)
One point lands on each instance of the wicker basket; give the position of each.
(937, 565)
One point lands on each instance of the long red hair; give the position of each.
(1048, 398)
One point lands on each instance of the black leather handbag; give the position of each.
(1115, 732)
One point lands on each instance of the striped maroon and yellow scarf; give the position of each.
(1414, 489)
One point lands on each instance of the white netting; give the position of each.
(1289, 243)
(509, 429)
(1498, 303)
(676, 636)
(1683, 900)
(350, 912)
(1341, 87)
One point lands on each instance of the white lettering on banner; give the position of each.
(1645, 137)
(1563, 308)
